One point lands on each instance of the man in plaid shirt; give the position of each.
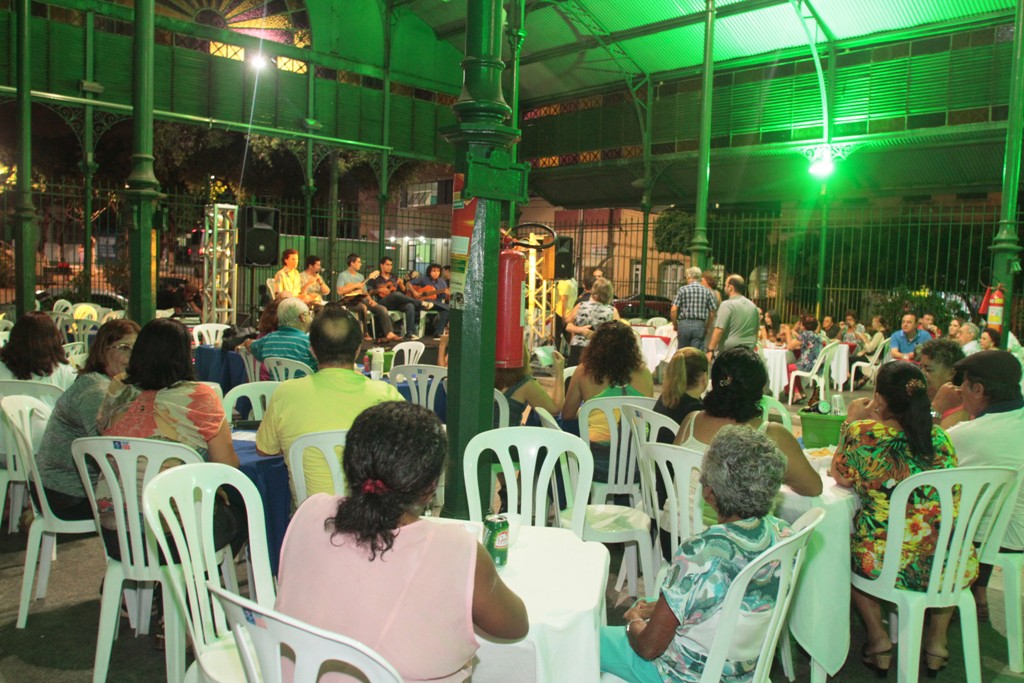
(693, 311)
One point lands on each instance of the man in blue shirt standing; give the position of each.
(904, 342)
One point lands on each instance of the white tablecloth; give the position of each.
(819, 616)
(775, 362)
(654, 349)
(562, 580)
(840, 370)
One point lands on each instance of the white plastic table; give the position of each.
(654, 349)
(825, 578)
(562, 580)
(840, 370)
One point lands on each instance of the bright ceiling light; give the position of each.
(259, 62)
(822, 168)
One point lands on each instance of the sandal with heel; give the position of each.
(934, 663)
(878, 661)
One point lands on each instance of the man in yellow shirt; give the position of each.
(329, 399)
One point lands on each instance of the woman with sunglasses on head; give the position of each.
(74, 417)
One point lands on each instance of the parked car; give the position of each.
(47, 297)
(629, 307)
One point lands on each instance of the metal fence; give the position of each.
(868, 251)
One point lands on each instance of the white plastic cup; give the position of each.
(838, 404)
(514, 523)
(376, 374)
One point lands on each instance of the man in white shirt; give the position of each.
(991, 394)
(968, 338)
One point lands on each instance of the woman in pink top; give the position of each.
(368, 567)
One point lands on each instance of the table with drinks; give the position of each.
(561, 579)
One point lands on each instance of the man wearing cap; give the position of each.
(991, 394)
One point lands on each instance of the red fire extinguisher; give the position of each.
(508, 348)
(992, 307)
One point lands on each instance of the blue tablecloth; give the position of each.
(271, 478)
(217, 365)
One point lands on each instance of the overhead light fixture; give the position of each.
(823, 158)
(93, 87)
(259, 62)
(312, 124)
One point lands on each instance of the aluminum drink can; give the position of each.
(496, 538)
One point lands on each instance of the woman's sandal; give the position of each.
(934, 663)
(879, 661)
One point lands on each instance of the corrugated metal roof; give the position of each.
(659, 36)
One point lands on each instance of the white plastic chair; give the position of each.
(501, 405)
(117, 460)
(1012, 565)
(210, 334)
(818, 374)
(283, 369)
(271, 287)
(65, 325)
(258, 393)
(261, 634)
(83, 328)
(62, 306)
(423, 381)
(666, 330)
(44, 391)
(75, 347)
(547, 420)
(646, 424)
(252, 366)
(5, 337)
(112, 315)
(870, 367)
(322, 445)
(679, 468)
(179, 503)
(770, 404)
(26, 419)
(164, 313)
(657, 321)
(411, 352)
(619, 523)
(981, 489)
(5, 325)
(84, 311)
(536, 473)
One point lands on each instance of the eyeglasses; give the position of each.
(123, 347)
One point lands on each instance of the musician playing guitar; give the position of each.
(432, 287)
(390, 292)
(352, 289)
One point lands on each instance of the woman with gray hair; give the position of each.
(670, 639)
(583, 320)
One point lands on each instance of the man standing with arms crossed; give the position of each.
(693, 311)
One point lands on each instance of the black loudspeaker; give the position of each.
(257, 236)
(565, 259)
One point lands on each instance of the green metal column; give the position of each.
(645, 201)
(143, 188)
(1005, 250)
(516, 37)
(699, 248)
(332, 199)
(384, 176)
(309, 189)
(88, 165)
(482, 151)
(819, 292)
(25, 236)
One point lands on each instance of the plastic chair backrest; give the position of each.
(26, 418)
(118, 461)
(85, 327)
(411, 352)
(991, 537)
(262, 633)
(501, 405)
(258, 393)
(5, 325)
(5, 337)
(112, 315)
(65, 325)
(783, 560)
(75, 347)
(179, 503)
(657, 321)
(645, 424)
(84, 312)
(62, 306)
(568, 372)
(622, 458)
(210, 334)
(283, 369)
(423, 381)
(44, 391)
(317, 445)
(271, 287)
(979, 488)
(540, 450)
(77, 360)
(769, 404)
(547, 420)
(679, 467)
(823, 362)
(252, 366)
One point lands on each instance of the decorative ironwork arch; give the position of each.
(280, 21)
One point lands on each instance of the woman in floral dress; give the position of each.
(894, 441)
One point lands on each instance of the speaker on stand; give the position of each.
(257, 245)
(565, 258)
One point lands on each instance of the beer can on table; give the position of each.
(496, 538)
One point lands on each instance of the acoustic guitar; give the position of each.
(424, 293)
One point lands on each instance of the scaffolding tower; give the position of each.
(220, 272)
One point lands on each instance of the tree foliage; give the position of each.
(673, 231)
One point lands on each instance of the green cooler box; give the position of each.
(820, 430)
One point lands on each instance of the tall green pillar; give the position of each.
(699, 247)
(143, 188)
(1005, 250)
(483, 144)
(25, 233)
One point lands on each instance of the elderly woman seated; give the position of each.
(670, 639)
